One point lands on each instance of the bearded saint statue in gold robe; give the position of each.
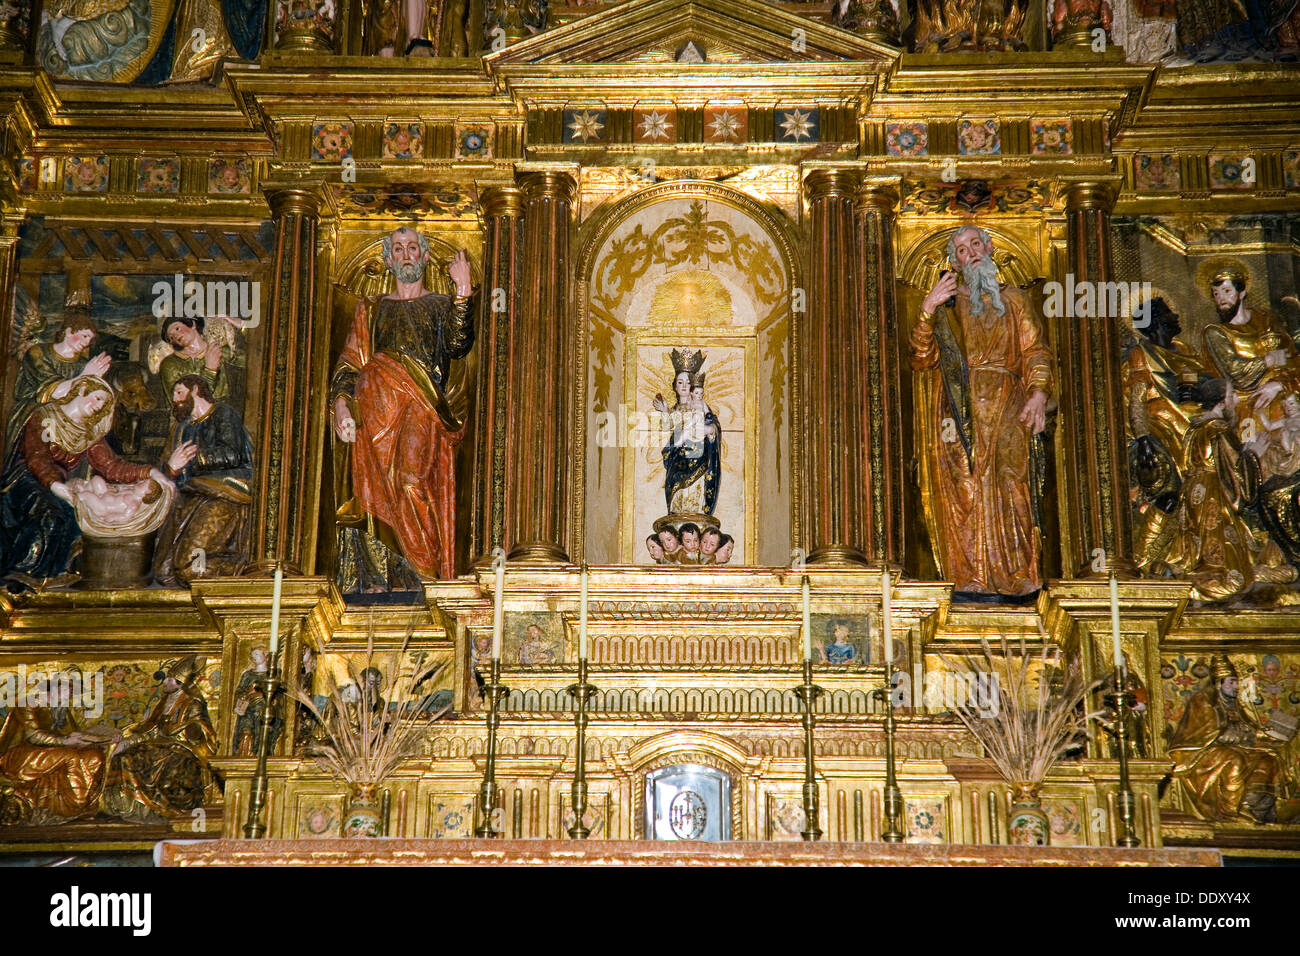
(1222, 763)
(984, 378)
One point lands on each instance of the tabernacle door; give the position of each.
(688, 802)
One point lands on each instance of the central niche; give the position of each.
(687, 412)
(691, 470)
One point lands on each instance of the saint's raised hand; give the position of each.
(943, 290)
(460, 273)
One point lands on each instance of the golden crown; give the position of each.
(684, 361)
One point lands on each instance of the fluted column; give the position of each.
(294, 370)
(835, 374)
(538, 472)
(503, 209)
(874, 213)
(1091, 402)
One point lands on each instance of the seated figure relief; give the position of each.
(1211, 450)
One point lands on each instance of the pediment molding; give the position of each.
(753, 50)
(745, 31)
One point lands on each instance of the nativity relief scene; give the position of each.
(614, 422)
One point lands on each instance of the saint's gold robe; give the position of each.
(979, 500)
(45, 770)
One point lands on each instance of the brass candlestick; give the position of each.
(808, 692)
(1125, 801)
(254, 828)
(487, 796)
(582, 692)
(893, 830)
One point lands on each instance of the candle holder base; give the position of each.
(811, 813)
(1126, 803)
(893, 807)
(577, 832)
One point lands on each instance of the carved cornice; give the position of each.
(1106, 81)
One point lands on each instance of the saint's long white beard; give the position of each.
(981, 277)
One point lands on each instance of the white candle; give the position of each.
(807, 620)
(1114, 624)
(275, 610)
(498, 617)
(582, 617)
(887, 616)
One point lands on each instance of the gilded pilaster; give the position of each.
(873, 247)
(10, 222)
(503, 210)
(1091, 397)
(287, 499)
(836, 373)
(538, 472)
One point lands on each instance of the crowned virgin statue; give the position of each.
(689, 444)
(692, 449)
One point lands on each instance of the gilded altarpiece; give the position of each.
(662, 204)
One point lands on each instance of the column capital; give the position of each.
(501, 199)
(830, 180)
(305, 197)
(11, 220)
(1093, 193)
(548, 181)
(880, 193)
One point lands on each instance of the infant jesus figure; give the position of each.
(108, 509)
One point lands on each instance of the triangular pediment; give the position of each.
(727, 31)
